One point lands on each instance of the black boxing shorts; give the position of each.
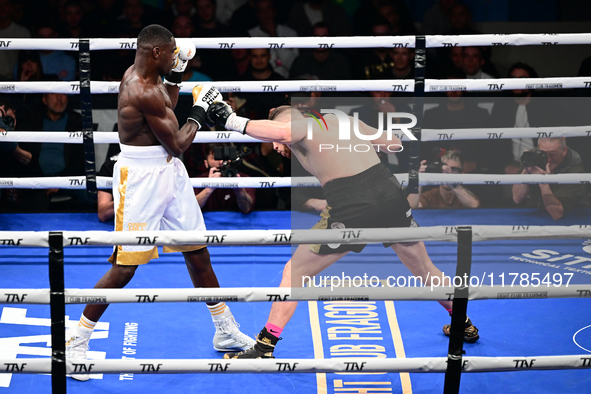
(370, 199)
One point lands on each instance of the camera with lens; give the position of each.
(434, 163)
(534, 158)
(232, 158)
(7, 123)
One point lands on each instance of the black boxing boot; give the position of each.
(470, 331)
(263, 348)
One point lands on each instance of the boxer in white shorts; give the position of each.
(152, 190)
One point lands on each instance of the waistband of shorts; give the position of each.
(154, 154)
(367, 178)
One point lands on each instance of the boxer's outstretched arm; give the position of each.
(273, 131)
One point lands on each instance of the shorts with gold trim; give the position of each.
(152, 192)
(370, 199)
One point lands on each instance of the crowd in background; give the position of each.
(285, 18)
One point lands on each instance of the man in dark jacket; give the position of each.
(556, 199)
(51, 159)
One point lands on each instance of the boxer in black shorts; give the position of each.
(360, 192)
(370, 199)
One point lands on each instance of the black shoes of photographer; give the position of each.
(470, 331)
(263, 348)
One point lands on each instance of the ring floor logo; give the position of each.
(562, 261)
(12, 345)
(361, 329)
(582, 338)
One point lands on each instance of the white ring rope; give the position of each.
(345, 364)
(325, 293)
(502, 133)
(109, 137)
(79, 182)
(103, 87)
(425, 179)
(395, 85)
(435, 41)
(445, 85)
(297, 236)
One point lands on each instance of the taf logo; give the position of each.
(310, 112)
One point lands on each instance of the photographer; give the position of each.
(212, 199)
(8, 123)
(445, 196)
(553, 157)
(11, 165)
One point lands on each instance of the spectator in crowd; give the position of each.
(220, 199)
(182, 27)
(458, 112)
(105, 202)
(367, 11)
(244, 19)
(445, 196)
(225, 9)
(260, 67)
(460, 20)
(72, 17)
(136, 16)
(214, 63)
(12, 159)
(372, 63)
(258, 104)
(182, 7)
(304, 15)
(325, 63)
(55, 61)
(111, 65)
(389, 11)
(556, 199)
(56, 159)
(240, 63)
(206, 24)
(521, 110)
(9, 29)
(472, 62)
(456, 56)
(103, 17)
(28, 68)
(281, 59)
(403, 63)
(436, 18)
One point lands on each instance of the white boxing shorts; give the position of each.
(152, 191)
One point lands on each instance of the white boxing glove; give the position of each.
(185, 51)
(203, 97)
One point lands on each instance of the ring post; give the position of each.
(58, 313)
(87, 125)
(458, 316)
(414, 157)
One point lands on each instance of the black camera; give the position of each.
(232, 158)
(534, 158)
(8, 122)
(434, 163)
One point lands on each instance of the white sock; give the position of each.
(85, 326)
(219, 311)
